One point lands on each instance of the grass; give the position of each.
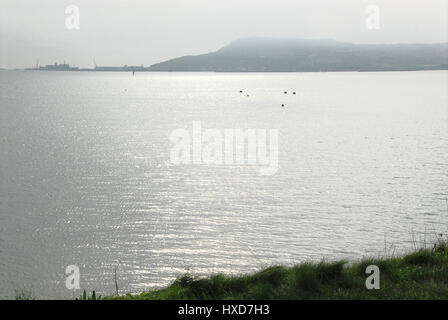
(86, 296)
(24, 294)
(422, 274)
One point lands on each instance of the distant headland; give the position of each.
(295, 55)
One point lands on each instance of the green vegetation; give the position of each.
(92, 296)
(23, 294)
(422, 274)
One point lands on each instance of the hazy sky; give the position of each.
(135, 32)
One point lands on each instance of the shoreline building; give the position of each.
(58, 67)
(123, 68)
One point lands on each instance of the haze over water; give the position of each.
(86, 177)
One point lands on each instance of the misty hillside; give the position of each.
(272, 54)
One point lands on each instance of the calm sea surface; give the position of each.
(86, 177)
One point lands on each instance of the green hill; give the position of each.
(293, 55)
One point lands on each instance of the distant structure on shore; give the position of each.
(123, 68)
(55, 67)
(66, 67)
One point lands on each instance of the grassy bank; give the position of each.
(422, 274)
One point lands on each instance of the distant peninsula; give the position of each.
(300, 55)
